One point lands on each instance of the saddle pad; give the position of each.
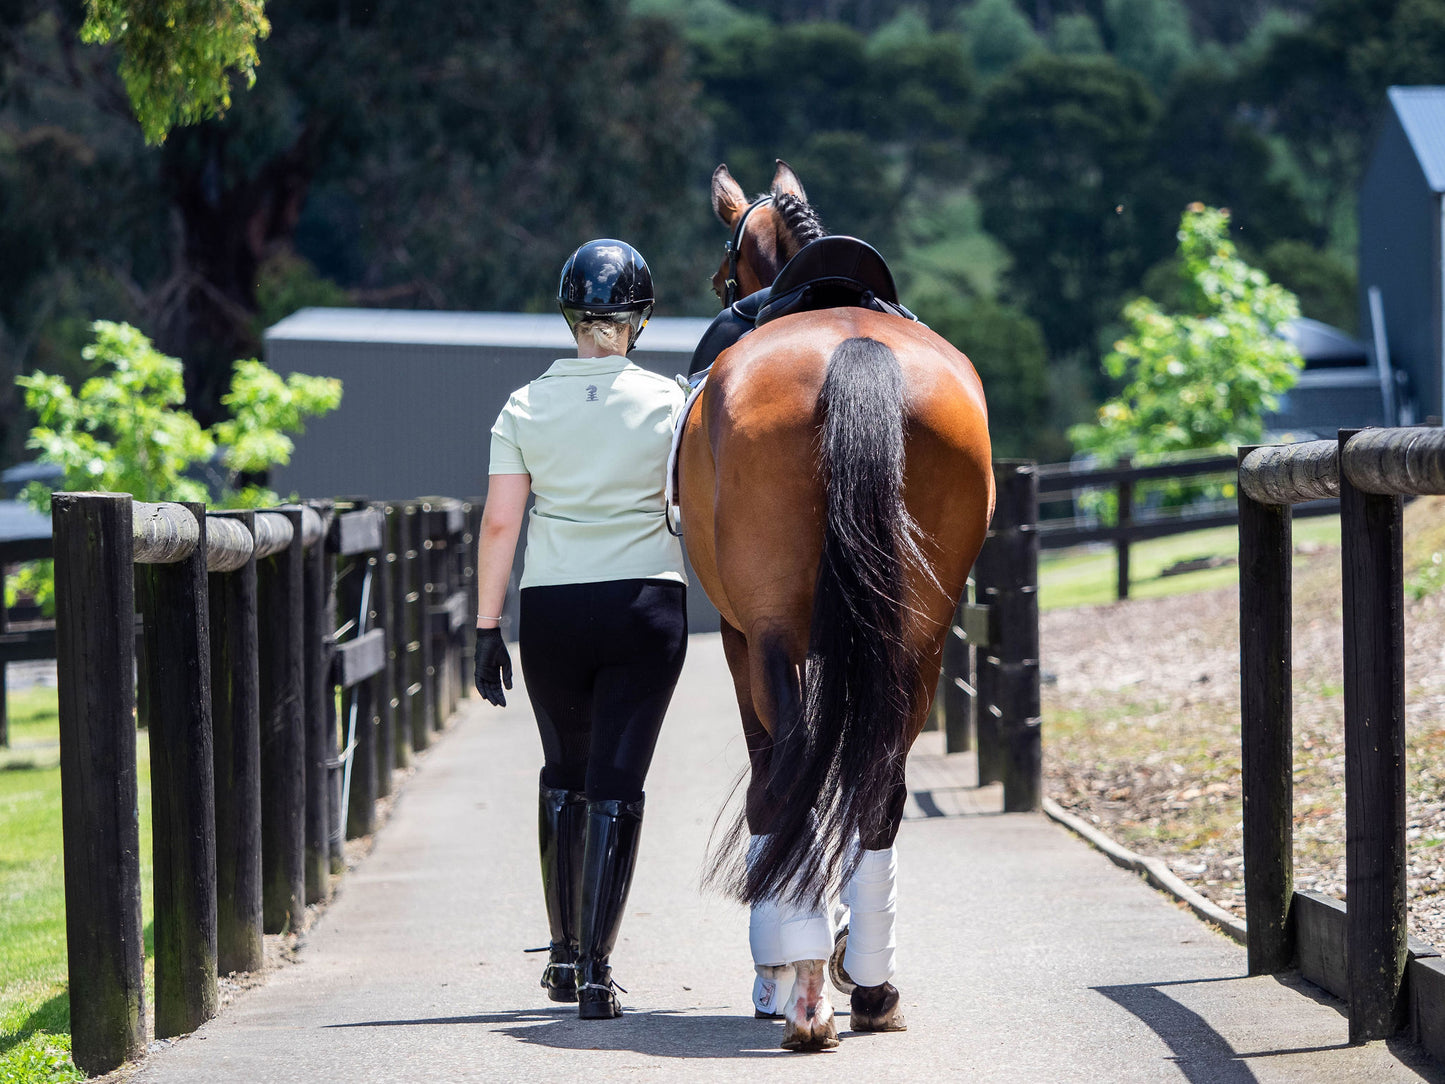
(672, 509)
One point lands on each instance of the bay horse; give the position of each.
(835, 484)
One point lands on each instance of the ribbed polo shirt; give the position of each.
(594, 434)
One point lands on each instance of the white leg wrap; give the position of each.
(805, 934)
(781, 932)
(765, 934)
(765, 924)
(872, 894)
(770, 988)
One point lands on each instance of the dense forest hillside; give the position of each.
(1022, 164)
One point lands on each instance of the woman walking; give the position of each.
(603, 626)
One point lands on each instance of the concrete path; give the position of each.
(1024, 955)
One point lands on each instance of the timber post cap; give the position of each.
(1291, 473)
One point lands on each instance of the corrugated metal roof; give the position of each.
(664, 334)
(1422, 114)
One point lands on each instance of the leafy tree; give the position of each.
(415, 154)
(126, 430)
(1151, 37)
(1203, 149)
(1076, 34)
(1204, 377)
(1325, 284)
(1066, 139)
(861, 119)
(1322, 86)
(122, 432)
(1007, 349)
(998, 34)
(177, 59)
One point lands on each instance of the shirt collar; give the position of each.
(612, 363)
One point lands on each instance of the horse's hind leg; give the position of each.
(871, 896)
(808, 1018)
(775, 975)
(789, 942)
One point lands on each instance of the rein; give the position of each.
(735, 248)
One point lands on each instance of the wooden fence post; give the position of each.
(95, 662)
(433, 659)
(1266, 729)
(396, 641)
(957, 683)
(417, 647)
(236, 731)
(1014, 598)
(177, 674)
(316, 670)
(1126, 519)
(1371, 528)
(384, 699)
(986, 570)
(283, 744)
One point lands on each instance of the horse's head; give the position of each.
(766, 233)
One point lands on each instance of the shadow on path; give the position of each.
(1205, 1056)
(659, 1033)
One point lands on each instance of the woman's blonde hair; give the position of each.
(609, 336)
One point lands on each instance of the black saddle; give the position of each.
(829, 273)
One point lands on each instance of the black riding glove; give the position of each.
(494, 666)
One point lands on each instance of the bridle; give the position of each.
(734, 250)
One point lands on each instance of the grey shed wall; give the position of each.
(1400, 238)
(420, 393)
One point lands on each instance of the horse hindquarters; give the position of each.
(838, 763)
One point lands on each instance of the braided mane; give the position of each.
(800, 223)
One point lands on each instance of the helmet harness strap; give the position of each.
(735, 248)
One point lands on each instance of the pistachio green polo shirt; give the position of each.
(594, 434)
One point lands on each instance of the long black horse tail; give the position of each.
(838, 762)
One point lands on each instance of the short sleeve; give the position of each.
(506, 455)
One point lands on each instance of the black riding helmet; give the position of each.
(606, 280)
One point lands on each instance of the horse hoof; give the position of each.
(875, 1008)
(811, 1042)
(817, 1031)
(836, 975)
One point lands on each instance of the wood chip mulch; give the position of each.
(1141, 726)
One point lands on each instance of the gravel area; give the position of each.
(1141, 725)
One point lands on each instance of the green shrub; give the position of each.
(127, 431)
(1204, 377)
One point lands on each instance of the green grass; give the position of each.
(1088, 576)
(34, 1004)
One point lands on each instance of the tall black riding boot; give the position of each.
(613, 830)
(561, 820)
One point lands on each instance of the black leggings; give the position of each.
(601, 661)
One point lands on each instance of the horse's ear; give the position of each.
(727, 195)
(785, 182)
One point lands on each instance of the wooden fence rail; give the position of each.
(241, 662)
(1062, 481)
(1361, 952)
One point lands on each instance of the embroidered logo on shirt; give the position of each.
(592, 393)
